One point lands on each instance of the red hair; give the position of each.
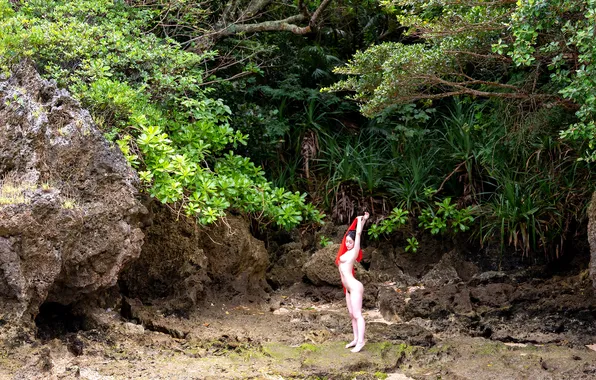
(342, 247)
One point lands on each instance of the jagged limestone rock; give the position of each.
(320, 269)
(68, 208)
(592, 238)
(183, 264)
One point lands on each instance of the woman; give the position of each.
(348, 253)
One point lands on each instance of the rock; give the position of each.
(151, 319)
(39, 366)
(592, 238)
(332, 232)
(185, 264)
(69, 217)
(489, 277)
(443, 272)
(75, 345)
(419, 263)
(133, 328)
(100, 319)
(439, 302)
(382, 259)
(493, 295)
(236, 260)
(172, 263)
(274, 304)
(287, 268)
(320, 269)
(384, 268)
(371, 292)
(392, 303)
(451, 269)
(281, 311)
(402, 332)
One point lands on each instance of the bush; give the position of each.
(147, 93)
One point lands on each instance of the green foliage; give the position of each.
(415, 171)
(147, 93)
(373, 74)
(412, 244)
(324, 241)
(446, 217)
(521, 214)
(391, 223)
(521, 76)
(533, 36)
(503, 156)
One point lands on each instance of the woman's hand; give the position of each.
(361, 221)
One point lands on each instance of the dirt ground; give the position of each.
(293, 339)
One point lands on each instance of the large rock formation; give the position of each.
(286, 269)
(184, 264)
(68, 212)
(592, 238)
(517, 306)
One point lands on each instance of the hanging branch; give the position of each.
(290, 24)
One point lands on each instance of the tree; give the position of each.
(205, 22)
(486, 48)
(148, 95)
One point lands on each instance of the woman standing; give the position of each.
(350, 252)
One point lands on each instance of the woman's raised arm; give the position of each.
(359, 227)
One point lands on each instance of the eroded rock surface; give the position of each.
(68, 212)
(499, 306)
(320, 269)
(286, 269)
(592, 239)
(185, 264)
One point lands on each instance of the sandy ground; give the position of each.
(298, 340)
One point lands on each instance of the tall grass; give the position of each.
(527, 186)
(521, 211)
(414, 171)
(533, 186)
(357, 160)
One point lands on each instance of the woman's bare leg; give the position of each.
(354, 324)
(356, 305)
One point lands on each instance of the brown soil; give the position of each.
(300, 339)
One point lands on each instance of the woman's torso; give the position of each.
(346, 267)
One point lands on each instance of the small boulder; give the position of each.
(320, 269)
(287, 268)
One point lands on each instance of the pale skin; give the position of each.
(354, 288)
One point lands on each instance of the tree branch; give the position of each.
(253, 8)
(229, 11)
(315, 16)
(460, 88)
(287, 24)
(290, 24)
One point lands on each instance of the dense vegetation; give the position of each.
(468, 117)
(149, 95)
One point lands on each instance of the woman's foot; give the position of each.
(358, 347)
(352, 343)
